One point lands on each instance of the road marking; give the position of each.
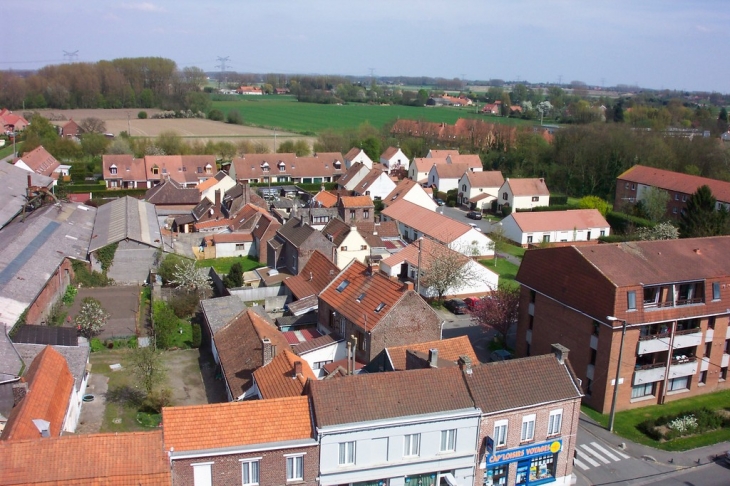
(588, 459)
(607, 451)
(580, 464)
(595, 454)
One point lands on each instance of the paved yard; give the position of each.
(122, 303)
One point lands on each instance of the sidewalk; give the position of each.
(672, 459)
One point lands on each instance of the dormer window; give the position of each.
(337, 164)
(265, 167)
(113, 169)
(208, 169)
(155, 170)
(164, 170)
(282, 166)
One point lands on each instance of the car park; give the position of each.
(500, 355)
(474, 215)
(456, 306)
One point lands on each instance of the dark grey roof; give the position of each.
(64, 336)
(13, 181)
(10, 362)
(304, 320)
(202, 208)
(34, 249)
(126, 218)
(295, 233)
(283, 203)
(220, 311)
(76, 357)
(170, 192)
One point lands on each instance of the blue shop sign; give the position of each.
(525, 452)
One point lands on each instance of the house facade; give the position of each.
(574, 225)
(409, 190)
(376, 185)
(277, 168)
(356, 209)
(473, 184)
(356, 155)
(421, 166)
(523, 194)
(294, 243)
(348, 243)
(393, 159)
(672, 296)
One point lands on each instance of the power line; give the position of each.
(71, 56)
(222, 66)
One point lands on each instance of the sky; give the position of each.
(659, 44)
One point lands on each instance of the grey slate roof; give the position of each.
(170, 192)
(13, 181)
(220, 311)
(34, 249)
(76, 357)
(126, 218)
(10, 361)
(294, 233)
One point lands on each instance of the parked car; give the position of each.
(457, 306)
(439, 201)
(471, 302)
(500, 355)
(474, 225)
(474, 215)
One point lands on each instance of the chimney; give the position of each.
(560, 351)
(433, 358)
(19, 390)
(217, 197)
(407, 286)
(297, 368)
(43, 426)
(29, 181)
(269, 351)
(465, 364)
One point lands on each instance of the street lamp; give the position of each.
(612, 415)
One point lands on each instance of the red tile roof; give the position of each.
(528, 187)
(676, 182)
(324, 164)
(374, 288)
(487, 178)
(572, 219)
(356, 202)
(389, 152)
(451, 171)
(136, 458)
(435, 154)
(128, 168)
(471, 160)
(354, 152)
(424, 164)
(232, 238)
(384, 229)
(326, 199)
(40, 161)
(277, 379)
(431, 223)
(237, 424)
(448, 349)
(50, 384)
(316, 274)
(430, 249)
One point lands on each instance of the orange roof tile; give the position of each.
(434, 154)
(528, 187)
(674, 181)
(40, 161)
(135, 458)
(232, 238)
(316, 274)
(207, 184)
(573, 219)
(430, 249)
(424, 164)
(389, 152)
(50, 384)
(356, 202)
(448, 349)
(277, 379)
(487, 178)
(237, 424)
(431, 223)
(128, 168)
(326, 199)
(451, 171)
(472, 160)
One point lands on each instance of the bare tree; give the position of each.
(445, 270)
(147, 367)
(498, 310)
(92, 125)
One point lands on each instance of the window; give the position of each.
(113, 169)
(164, 170)
(352, 214)
(411, 445)
(527, 350)
(200, 170)
(676, 197)
(528, 428)
(343, 248)
(603, 233)
(318, 365)
(596, 328)
(531, 323)
(703, 377)
(708, 349)
(594, 355)
(643, 390)
(504, 196)
(535, 198)
(727, 346)
(681, 383)
(202, 474)
(250, 471)
(546, 238)
(555, 421)
(344, 283)
(540, 468)
(533, 294)
(674, 210)
(363, 247)
(240, 246)
(711, 323)
(347, 453)
(684, 198)
(627, 185)
(155, 170)
(295, 468)
(631, 296)
(633, 186)
(366, 214)
(715, 290)
(529, 239)
(589, 387)
(723, 373)
(495, 475)
(448, 440)
(500, 433)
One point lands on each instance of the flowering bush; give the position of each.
(683, 424)
(91, 319)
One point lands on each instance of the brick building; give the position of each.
(294, 244)
(673, 296)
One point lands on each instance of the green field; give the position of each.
(287, 114)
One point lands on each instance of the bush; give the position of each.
(234, 117)
(69, 295)
(184, 304)
(167, 267)
(87, 278)
(234, 279)
(197, 336)
(557, 200)
(621, 222)
(142, 115)
(216, 115)
(165, 324)
(96, 345)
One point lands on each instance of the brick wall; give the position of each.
(226, 470)
(54, 290)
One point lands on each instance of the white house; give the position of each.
(525, 228)
(421, 166)
(441, 154)
(220, 182)
(415, 222)
(348, 243)
(231, 244)
(393, 159)
(356, 173)
(379, 428)
(473, 161)
(356, 155)
(523, 194)
(376, 184)
(474, 184)
(445, 177)
(478, 280)
(322, 351)
(409, 190)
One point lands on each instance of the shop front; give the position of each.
(534, 464)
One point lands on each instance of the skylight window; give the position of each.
(343, 285)
(380, 307)
(360, 297)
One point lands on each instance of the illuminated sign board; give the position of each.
(511, 455)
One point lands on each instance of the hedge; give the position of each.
(556, 200)
(620, 222)
(138, 193)
(537, 209)
(81, 188)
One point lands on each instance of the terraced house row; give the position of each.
(511, 422)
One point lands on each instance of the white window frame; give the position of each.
(448, 440)
(411, 445)
(246, 465)
(347, 453)
(527, 433)
(203, 473)
(294, 473)
(555, 422)
(500, 439)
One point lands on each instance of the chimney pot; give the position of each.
(465, 364)
(560, 351)
(268, 350)
(433, 357)
(297, 368)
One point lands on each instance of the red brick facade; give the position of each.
(54, 289)
(227, 469)
(627, 192)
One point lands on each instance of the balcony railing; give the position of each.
(651, 304)
(658, 335)
(684, 332)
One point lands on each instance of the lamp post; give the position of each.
(612, 415)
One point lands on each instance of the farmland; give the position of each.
(285, 113)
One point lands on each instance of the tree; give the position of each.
(92, 125)
(91, 318)
(234, 279)
(371, 146)
(234, 117)
(147, 367)
(94, 144)
(443, 269)
(662, 231)
(654, 203)
(498, 310)
(506, 104)
(700, 218)
(594, 202)
(188, 276)
(498, 240)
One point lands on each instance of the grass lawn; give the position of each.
(287, 114)
(184, 339)
(513, 250)
(223, 265)
(507, 271)
(626, 421)
(8, 149)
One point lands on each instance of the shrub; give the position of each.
(87, 278)
(156, 400)
(621, 222)
(234, 279)
(164, 323)
(216, 115)
(557, 200)
(184, 304)
(96, 345)
(167, 267)
(69, 295)
(234, 117)
(197, 336)
(142, 115)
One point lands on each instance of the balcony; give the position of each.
(649, 373)
(653, 343)
(687, 338)
(683, 366)
(674, 295)
(709, 335)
